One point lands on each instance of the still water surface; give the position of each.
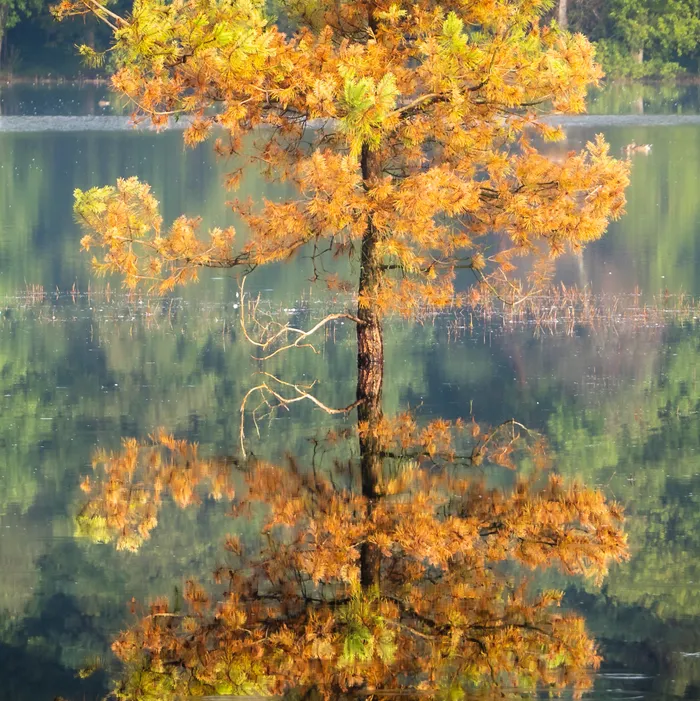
(82, 369)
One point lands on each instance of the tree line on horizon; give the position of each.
(634, 39)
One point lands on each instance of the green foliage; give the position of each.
(244, 676)
(48, 48)
(367, 106)
(667, 31)
(147, 685)
(92, 58)
(618, 62)
(633, 33)
(11, 11)
(366, 634)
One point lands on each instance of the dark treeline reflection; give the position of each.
(389, 560)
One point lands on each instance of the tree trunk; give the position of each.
(370, 471)
(562, 15)
(639, 55)
(370, 374)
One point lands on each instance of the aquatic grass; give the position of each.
(559, 309)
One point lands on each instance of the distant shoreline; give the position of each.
(10, 80)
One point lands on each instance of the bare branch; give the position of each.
(272, 332)
(419, 103)
(99, 9)
(508, 302)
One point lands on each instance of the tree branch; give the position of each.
(272, 332)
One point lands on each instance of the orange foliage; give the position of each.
(132, 483)
(289, 611)
(398, 122)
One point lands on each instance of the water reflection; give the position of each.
(126, 509)
(619, 405)
(388, 561)
(616, 402)
(651, 248)
(65, 123)
(639, 98)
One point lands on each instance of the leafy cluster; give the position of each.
(126, 218)
(640, 38)
(397, 121)
(289, 611)
(134, 482)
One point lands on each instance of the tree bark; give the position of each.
(639, 55)
(563, 14)
(370, 373)
(370, 472)
(370, 363)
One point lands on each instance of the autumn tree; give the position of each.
(291, 612)
(408, 128)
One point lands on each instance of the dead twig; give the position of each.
(272, 398)
(272, 332)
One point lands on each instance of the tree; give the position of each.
(10, 13)
(443, 614)
(563, 13)
(637, 31)
(407, 130)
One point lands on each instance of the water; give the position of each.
(82, 367)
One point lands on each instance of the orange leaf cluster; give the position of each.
(290, 612)
(125, 219)
(398, 121)
(125, 500)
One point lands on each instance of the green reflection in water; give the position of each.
(640, 98)
(652, 248)
(618, 406)
(344, 587)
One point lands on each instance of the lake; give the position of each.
(83, 367)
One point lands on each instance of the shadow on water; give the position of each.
(23, 665)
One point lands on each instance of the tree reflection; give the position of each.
(132, 483)
(400, 568)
